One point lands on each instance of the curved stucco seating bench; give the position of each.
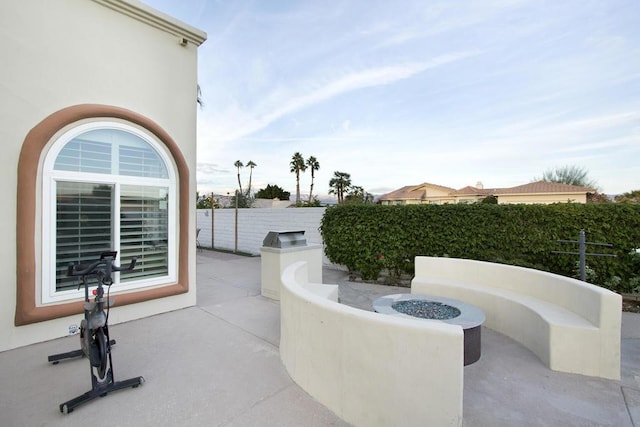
(370, 369)
(570, 325)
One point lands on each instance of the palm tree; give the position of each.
(250, 165)
(238, 164)
(314, 165)
(340, 182)
(297, 165)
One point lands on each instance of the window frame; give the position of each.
(50, 178)
(29, 310)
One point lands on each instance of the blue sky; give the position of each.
(410, 91)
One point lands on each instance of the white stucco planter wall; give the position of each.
(572, 326)
(275, 260)
(371, 369)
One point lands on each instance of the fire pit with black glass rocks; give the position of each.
(448, 310)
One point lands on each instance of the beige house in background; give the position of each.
(98, 129)
(535, 192)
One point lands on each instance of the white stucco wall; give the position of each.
(61, 53)
(254, 224)
(545, 199)
(371, 369)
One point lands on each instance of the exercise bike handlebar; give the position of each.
(131, 266)
(92, 268)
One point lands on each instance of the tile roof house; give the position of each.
(542, 192)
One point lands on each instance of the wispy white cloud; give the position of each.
(236, 123)
(403, 36)
(607, 42)
(552, 124)
(591, 124)
(209, 168)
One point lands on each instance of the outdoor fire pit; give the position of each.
(448, 310)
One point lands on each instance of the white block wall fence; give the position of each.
(253, 226)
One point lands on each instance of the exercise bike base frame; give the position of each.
(101, 391)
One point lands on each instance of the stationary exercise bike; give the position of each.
(94, 332)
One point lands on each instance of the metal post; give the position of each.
(212, 223)
(582, 252)
(583, 257)
(236, 247)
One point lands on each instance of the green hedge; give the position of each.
(370, 238)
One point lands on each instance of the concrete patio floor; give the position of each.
(217, 364)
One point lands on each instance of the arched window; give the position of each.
(94, 178)
(107, 186)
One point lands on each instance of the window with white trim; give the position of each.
(108, 186)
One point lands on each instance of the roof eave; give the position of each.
(157, 19)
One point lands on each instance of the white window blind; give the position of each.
(111, 189)
(141, 161)
(85, 155)
(144, 230)
(83, 226)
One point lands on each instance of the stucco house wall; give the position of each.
(60, 56)
(539, 192)
(542, 198)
